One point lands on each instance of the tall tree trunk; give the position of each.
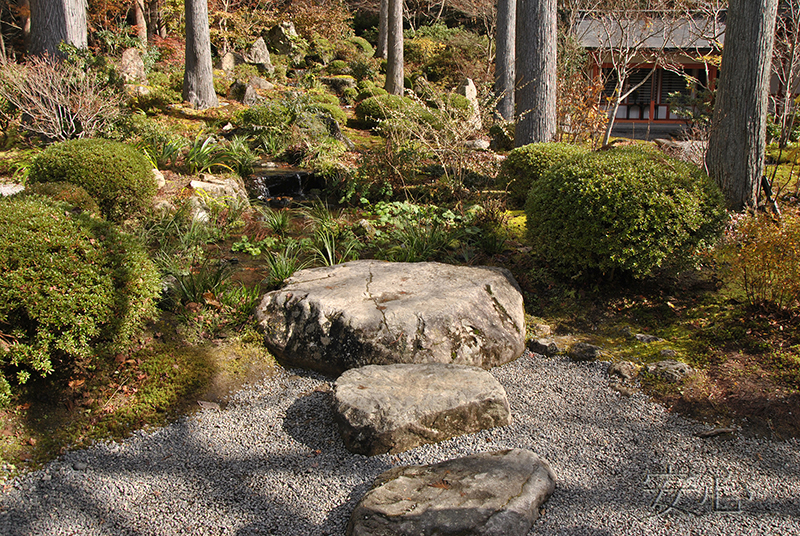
(735, 157)
(155, 22)
(505, 58)
(141, 23)
(198, 78)
(383, 25)
(394, 67)
(536, 71)
(54, 22)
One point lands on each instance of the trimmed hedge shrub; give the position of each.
(526, 165)
(115, 174)
(71, 285)
(67, 192)
(375, 109)
(372, 110)
(626, 210)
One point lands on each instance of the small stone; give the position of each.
(581, 351)
(623, 390)
(159, 177)
(543, 346)
(667, 352)
(80, 466)
(670, 370)
(624, 369)
(542, 330)
(647, 339)
(477, 145)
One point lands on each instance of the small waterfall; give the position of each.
(281, 186)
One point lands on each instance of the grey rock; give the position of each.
(647, 339)
(581, 351)
(218, 188)
(622, 389)
(624, 369)
(131, 67)
(667, 352)
(542, 330)
(338, 83)
(80, 466)
(544, 346)
(259, 83)
(259, 55)
(468, 90)
(393, 408)
(477, 145)
(371, 312)
(670, 370)
(335, 130)
(163, 207)
(366, 227)
(229, 61)
(159, 177)
(250, 96)
(10, 189)
(283, 38)
(244, 93)
(489, 494)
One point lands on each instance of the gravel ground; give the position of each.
(272, 462)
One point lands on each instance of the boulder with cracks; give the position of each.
(372, 312)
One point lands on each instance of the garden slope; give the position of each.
(272, 462)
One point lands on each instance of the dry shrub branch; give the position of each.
(57, 99)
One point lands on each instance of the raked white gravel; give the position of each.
(272, 462)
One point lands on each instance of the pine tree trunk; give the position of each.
(54, 22)
(735, 157)
(198, 78)
(505, 58)
(394, 67)
(536, 71)
(383, 25)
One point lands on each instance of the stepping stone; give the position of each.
(392, 408)
(372, 312)
(489, 494)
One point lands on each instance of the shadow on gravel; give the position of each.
(133, 493)
(310, 421)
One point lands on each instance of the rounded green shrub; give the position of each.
(372, 110)
(338, 67)
(363, 45)
(398, 109)
(526, 165)
(72, 287)
(74, 196)
(370, 91)
(622, 211)
(118, 176)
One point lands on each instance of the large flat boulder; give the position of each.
(372, 312)
(490, 494)
(392, 408)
